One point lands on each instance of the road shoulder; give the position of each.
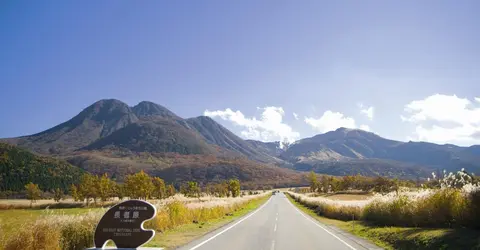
(364, 243)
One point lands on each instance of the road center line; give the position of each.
(275, 228)
(318, 225)
(228, 228)
(273, 244)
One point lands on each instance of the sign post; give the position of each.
(123, 224)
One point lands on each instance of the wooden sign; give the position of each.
(123, 224)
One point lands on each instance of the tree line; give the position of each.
(230, 188)
(327, 184)
(136, 186)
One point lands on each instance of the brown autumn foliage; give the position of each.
(178, 168)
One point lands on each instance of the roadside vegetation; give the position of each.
(390, 237)
(195, 205)
(406, 217)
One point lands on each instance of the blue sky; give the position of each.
(411, 66)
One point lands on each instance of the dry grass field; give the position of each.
(72, 228)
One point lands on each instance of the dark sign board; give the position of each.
(123, 224)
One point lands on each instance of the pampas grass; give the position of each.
(54, 231)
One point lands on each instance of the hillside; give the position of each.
(251, 174)
(270, 148)
(159, 135)
(179, 168)
(19, 167)
(365, 167)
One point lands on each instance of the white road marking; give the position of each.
(275, 229)
(228, 228)
(318, 225)
(273, 244)
(276, 218)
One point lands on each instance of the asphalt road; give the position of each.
(277, 225)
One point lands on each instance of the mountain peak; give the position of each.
(205, 118)
(146, 108)
(344, 130)
(104, 107)
(347, 130)
(110, 101)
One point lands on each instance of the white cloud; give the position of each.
(365, 127)
(295, 115)
(330, 121)
(444, 119)
(367, 111)
(270, 127)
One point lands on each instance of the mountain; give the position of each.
(96, 121)
(214, 133)
(18, 167)
(338, 144)
(111, 123)
(348, 147)
(159, 135)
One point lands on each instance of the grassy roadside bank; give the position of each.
(403, 237)
(183, 234)
(176, 223)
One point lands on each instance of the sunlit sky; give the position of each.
(267, 70)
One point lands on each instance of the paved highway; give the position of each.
(277, 225)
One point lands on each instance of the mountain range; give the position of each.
(109, 136)
(334, 150)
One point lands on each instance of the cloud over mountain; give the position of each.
(332, 120)
(444, 119)
(269, 127)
